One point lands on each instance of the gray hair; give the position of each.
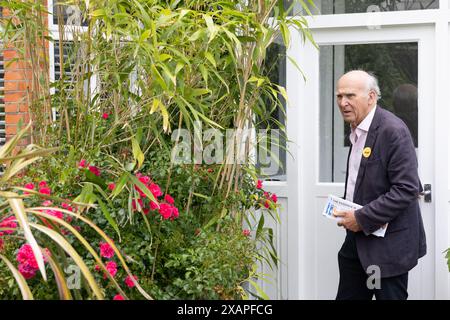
(373, 84)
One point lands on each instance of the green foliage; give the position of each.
(212, 266)
(157, 66)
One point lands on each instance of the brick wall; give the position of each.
(17, 81)
(18, 85)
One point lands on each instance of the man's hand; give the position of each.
(347, 220)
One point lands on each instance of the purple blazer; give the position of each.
(388, 187)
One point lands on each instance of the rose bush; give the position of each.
(175, 238)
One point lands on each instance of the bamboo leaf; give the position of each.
(33, 153)
(120, 185)
(204, 73)
(98, 13)
(197, 35)
(165, 115)
(11, 143)
(108, 217)
(16, 167)
(18, 208)
(144, 36)
(137, 152)
(142, 186)
(103, 235)
(67, 247)
(63, 290)
(258, 289)
(84, 241)
(155, 105)
(158, 77)
(211, 59)
(285, 33)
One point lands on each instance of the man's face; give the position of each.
(354, 99)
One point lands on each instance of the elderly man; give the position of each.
(382, 177)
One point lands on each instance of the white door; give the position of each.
(322, 150)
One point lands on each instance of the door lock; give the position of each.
(426, 193)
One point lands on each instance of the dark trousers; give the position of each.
(353, 283)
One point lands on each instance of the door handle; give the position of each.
(426, 193)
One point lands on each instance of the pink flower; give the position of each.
(97, 268)
(29, 186)
(169, 199)
(175, 213)
(111, 266)
(259, 184)
(246, 232)
(83, 164)
(266, 194)
(105, 115)
(47, 203)
(42, 184)
(267, 204)
(45, 190)
(111, 186)
(165, 210)
(144, 179)
(155, 190)
(106, 251)
(94, 170)
(274, 198)
(153, 205)
(66, 206)
(10, 223)
(55, 213)
(27, 271)
(118, 297)
(129, 281)
(27, 262)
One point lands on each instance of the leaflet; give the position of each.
(338, 204)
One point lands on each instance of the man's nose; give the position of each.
(344, 101)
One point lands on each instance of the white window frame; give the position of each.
(69, 31)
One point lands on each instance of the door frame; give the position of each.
(299, 127)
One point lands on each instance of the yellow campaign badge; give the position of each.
(366, 152)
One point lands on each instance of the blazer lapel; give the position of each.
(370, 142)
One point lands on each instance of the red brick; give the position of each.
(10, 130)
(11, 108)
(23, 86)
(9, 54)
(15, 97)
(15, 118)
(23, 107)
(11, 86)
(14, 75)
(16, 64)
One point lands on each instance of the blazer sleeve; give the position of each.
(404, 181)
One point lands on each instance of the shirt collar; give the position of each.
(365, 124)
(362, 127)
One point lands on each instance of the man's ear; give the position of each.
(372, 97)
